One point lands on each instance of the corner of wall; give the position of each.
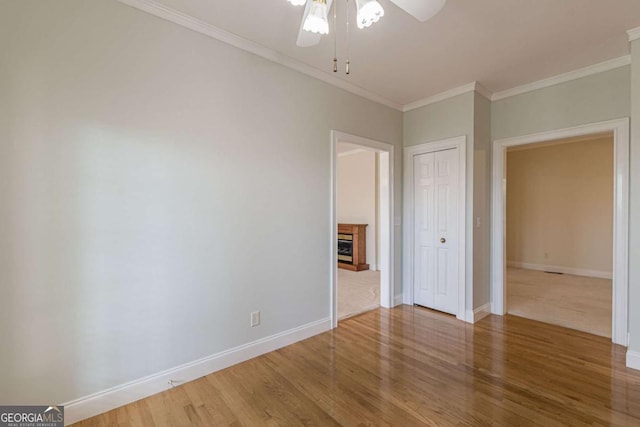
(633, 354)
(633, 359)
(481, 206)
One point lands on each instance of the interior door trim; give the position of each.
(465, 246)
(621, 138)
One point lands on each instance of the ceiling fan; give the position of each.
(315, 22)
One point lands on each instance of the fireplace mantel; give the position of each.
(358, 235)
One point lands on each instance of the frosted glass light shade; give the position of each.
(316, 22)
(297, 2)
(369, 11)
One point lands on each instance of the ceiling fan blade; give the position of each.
(422, 10)
(306, 38)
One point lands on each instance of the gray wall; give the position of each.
(481, 201)
(634, 211)
(596, 98)
(450, 118)
(150, 182)
(445, 119)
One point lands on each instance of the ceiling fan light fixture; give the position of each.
(297, 2)
(369, 11)
(317, 21)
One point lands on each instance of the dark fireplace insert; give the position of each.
(345, 248)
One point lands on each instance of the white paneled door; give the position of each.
(435, 264)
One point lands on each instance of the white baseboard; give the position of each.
(397, 300)
(97, 403)
(481, 312)
(633, 359)
(474, 315)
(560, 269)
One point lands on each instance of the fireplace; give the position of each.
(352, 245)
(345, 248)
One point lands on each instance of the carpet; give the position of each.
(357, 292)
(576, 302)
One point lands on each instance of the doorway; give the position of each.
(620, 131)
(358, 229)
(363, 279)
(559, 222)
(435, 226)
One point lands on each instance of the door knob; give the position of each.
(443, 240)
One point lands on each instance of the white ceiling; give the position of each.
(499, 43)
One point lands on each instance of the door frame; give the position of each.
(385, 212)
(620, 129)
(409, 152)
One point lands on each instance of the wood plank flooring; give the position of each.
(408, 367)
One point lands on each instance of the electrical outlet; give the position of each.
(255, 318)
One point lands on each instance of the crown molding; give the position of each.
(161, 11)
(634, 34)
(611, 64)
(562, 78)
(483, 91)
(187, 21)
(470, 87)
(440, 97)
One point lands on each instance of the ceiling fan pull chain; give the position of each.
(347, 62)
(335, 37)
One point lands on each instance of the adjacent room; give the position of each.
(560, 232)
(358, 206)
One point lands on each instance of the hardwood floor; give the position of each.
(407, 367)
